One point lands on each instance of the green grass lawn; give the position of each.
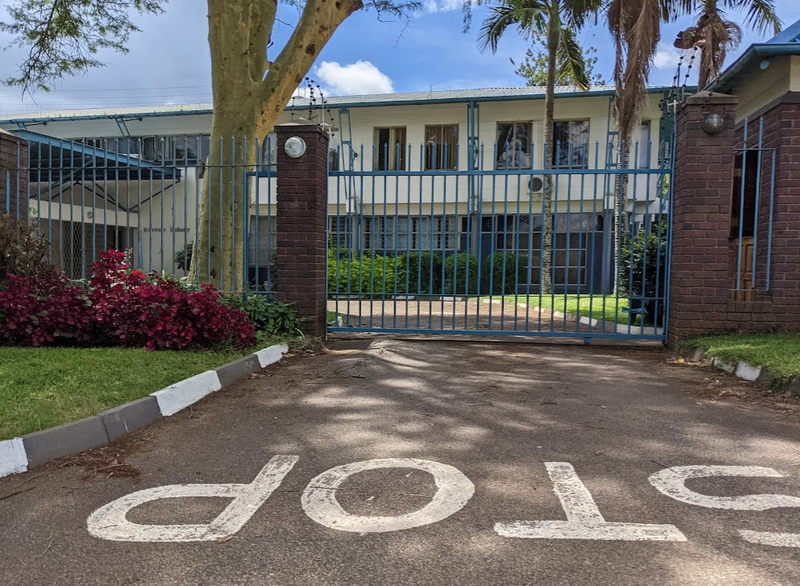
(780, 352)
(45, 387)
(583, 305)
(332, 315)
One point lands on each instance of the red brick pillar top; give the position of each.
(701, 217)
(302, 198)
(13, 175)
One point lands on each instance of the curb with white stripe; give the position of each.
(748, 372)
(21, 453)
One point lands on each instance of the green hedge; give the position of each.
(365, 275)
(500, 265)
(417, 273)
(458, 268)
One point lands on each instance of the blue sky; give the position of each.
(168, 61)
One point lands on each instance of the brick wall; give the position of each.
(302, 204)
(704, 257)
(13, 175)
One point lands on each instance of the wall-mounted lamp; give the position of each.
(713, 124)
(295, 147)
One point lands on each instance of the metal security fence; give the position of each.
(144, 196)
(752, 212)
(442, 238)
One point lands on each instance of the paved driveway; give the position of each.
(390, 462)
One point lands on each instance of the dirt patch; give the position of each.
(714, 385)
(108, 460)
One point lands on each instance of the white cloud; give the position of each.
(358, 78)
(434, 6)
(666, 57)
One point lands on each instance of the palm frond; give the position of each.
(526, 15)
(572, 63)
(635, 27)
(761, 15)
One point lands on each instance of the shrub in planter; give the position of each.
(501, 273)
(43, 310)
(131, 308)
(461, 274)
(643, 269)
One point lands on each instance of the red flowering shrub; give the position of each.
(123, 307)
(131, 308)
(43, 310)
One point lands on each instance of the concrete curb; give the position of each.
(19, 454)
(757, 374)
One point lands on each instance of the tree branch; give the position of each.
(262, 19)
(318, 22)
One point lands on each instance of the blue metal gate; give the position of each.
(445, 238)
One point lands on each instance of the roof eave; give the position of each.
(344, 104)
(728, 78)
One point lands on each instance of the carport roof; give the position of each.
(51, 158)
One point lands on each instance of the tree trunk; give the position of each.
(709, 68)
(553, 34)
(620, 189)
(247, 104)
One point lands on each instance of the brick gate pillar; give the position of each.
(13, 175)
(302, 201)
(701, 218)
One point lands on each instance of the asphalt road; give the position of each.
(489, 447)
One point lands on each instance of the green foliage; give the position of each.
(417, 273)
(424, 270)
(461, 274)
(23, 252)
(533, 68)
(366, 274)
(643, 268)
(501, 271)
(183, 258)
(63, 37)
(272, 318)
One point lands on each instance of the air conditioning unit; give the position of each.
(535, 184)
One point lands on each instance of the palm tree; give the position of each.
(716, 36)
(558, 21)
(635, 27)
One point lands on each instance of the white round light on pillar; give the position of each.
(713, 124)
(295, 147)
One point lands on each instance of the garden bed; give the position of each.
(45, 387)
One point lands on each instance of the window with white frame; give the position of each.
(513, 145)
(644, 147)
(570, 146)
(340, 230)
(415, 233)
(441, 147)
(262, 241)
(390, 149)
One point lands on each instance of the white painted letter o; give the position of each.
(453, 491)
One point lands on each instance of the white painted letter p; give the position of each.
(110, 521)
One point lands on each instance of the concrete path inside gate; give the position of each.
(521, 423)
(453, 313)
